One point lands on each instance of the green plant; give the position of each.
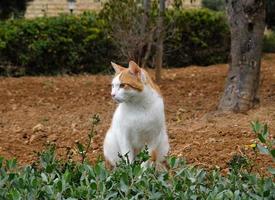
(196, 36)
(265, 144)
(239, 164)
(216, 5)
(56, 179)
(86, 43)
(12, 8)
(269, 42)
(270, 14)
(83, 150)
(63, 44)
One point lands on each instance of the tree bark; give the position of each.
(146, 8)
(159, 45)
(247, 22)
(148, 35)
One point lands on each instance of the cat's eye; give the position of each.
(122, 85)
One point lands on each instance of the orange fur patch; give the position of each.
(133, 81)
(136, 151)
(151, 82)
(108, 165)
(131, 77)
(154, 156)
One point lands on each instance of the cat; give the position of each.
(139, 118)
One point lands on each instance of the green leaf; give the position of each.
(220, 196)
(14, 194)
(271, 170)
(262, 149)
(261, 138)
(236, 194)
(59, 186)
(273, 153)
(156, 195)
(266, 193)
(123, 187)
(44, 177)
(265, 131)
(1, 161)
(93, 185)
(67, 176)
(172, 161)
(80, 148)
(256, 126)
(112, 196)
(11, 164)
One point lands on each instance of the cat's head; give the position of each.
(128, 83)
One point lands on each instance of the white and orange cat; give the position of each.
(139, 119)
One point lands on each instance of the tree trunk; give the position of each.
(146, 8)
(247, 23)
(159, 45)
(148, 35)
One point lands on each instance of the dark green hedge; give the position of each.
(76, 44)
(70, 44)
(198, 36)
(217, 5)
(269, 42)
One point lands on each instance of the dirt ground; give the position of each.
(40, 110)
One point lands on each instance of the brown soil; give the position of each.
(40, 110)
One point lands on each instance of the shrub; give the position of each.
(67, 43)
(269, 42)
(50, 178)
(192, 36)
(217, 5)
(196, 36)
(12, 8)
(270, 13)
(265, 143)
(84, 43)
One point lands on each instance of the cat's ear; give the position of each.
(117, 67)
(134, 68)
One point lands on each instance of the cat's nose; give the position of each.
(113, 95)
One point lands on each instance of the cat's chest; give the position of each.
(139, 118)
(140, 127)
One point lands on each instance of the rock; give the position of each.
(25, 136)
(32, 138)
(14, 107)
(17, 130)
(53, 137)
(37, 136)
(74, 127)
(37, 128)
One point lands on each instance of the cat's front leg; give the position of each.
(126, 149)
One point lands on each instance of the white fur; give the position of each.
(138, 121)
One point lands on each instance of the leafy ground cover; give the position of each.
(50, 178)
